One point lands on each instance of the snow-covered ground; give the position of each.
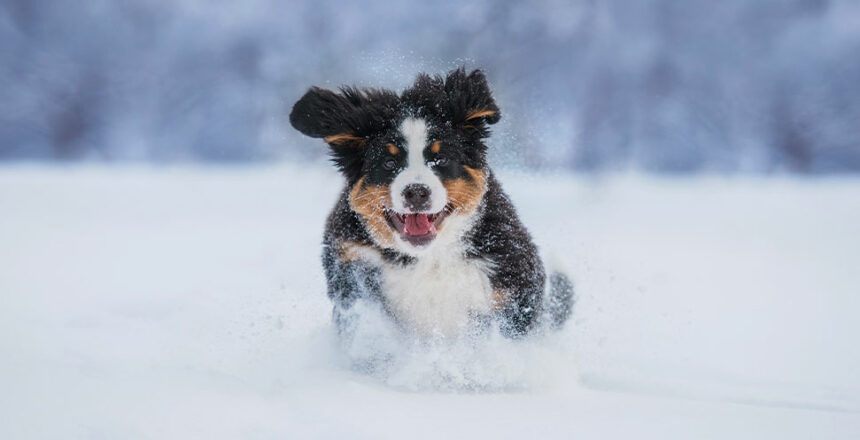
(189, 303)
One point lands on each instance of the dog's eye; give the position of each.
(441, 161)
(389, 164)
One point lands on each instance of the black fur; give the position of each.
(360, 112)
(449, 105)
(499, 236)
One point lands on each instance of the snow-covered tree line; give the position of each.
(659, 85)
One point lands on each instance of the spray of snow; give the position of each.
(481, 360)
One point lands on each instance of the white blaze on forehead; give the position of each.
(414, 130)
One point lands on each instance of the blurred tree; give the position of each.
(660, 85)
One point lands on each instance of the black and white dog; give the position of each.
(422, 225)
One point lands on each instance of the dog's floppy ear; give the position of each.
(321, 113)
(470, 100)
(342, 119)
(345, 120)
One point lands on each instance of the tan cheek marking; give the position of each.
(393, 149)
(436, 147)
(368, 201)
(345, 139)
(465, 194)
(479, 114)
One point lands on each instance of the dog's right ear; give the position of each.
(335, 117)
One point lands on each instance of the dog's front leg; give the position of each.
(517, 296)
(348, 281)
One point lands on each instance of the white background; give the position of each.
(190, 303)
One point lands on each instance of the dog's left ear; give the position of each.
(335, 117)
(470, 100)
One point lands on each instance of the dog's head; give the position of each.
(413, 162)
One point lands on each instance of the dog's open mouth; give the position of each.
(417, 229)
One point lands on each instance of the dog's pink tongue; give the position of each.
(418, 224)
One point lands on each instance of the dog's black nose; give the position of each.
(416, 197)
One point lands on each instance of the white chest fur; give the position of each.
(441, 291)
(439, 294)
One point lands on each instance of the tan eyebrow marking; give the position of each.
(480, 114)
(345, 139)
(436, 147)
(393, 149)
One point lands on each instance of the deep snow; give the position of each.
(189, 303)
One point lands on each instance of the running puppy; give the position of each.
(422, 225)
